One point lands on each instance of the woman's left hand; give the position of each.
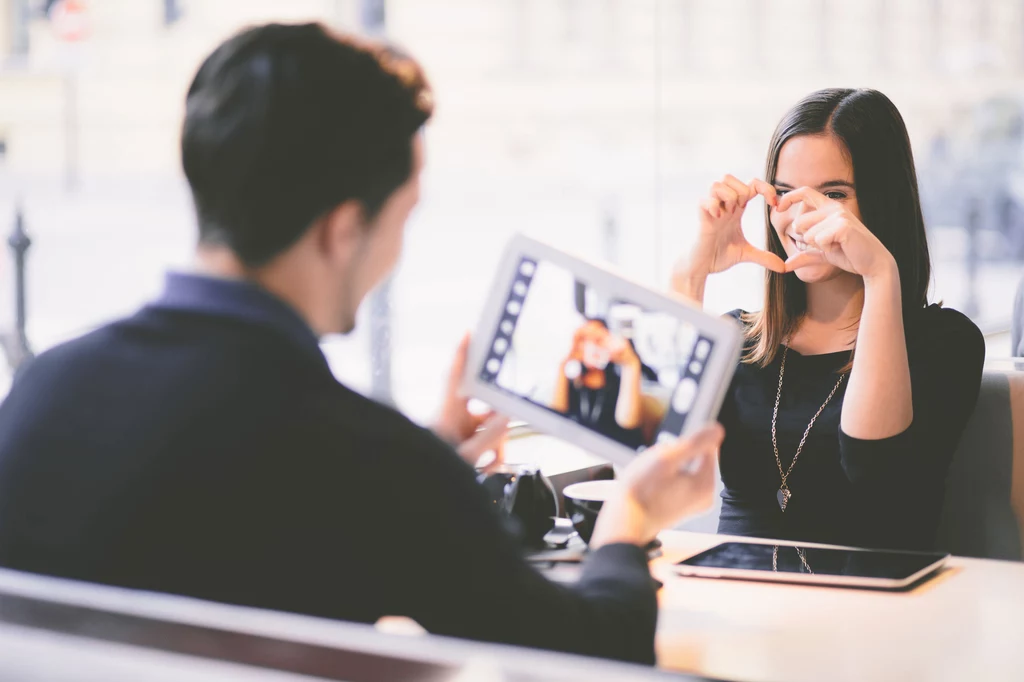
(837, 236)
(620, 352)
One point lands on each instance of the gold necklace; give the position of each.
(784, 493)
(799, 553)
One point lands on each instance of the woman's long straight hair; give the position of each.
(874, 137)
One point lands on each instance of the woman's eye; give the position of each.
(836, 196)
(780, 192)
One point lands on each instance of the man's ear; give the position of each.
(341, 229)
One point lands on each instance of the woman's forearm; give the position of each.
(878, 402)
(689, 283)
(560, 399)
(627, 406)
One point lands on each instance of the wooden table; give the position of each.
(965, 624)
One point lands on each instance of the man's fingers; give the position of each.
(496, 460)
(765, 259)
(490, 436)
(474, 423)
(703, 442)
(703, 483)
(458, 367)
(709, 437)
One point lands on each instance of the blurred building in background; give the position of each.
(595, 124)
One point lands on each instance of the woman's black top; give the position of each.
(883, 493)
(595, 409)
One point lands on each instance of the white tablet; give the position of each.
(594, 358)
(818, 565)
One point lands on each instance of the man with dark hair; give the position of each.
(202, 446)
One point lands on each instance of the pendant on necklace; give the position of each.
(783, 496)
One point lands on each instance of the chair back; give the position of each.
(983, 511)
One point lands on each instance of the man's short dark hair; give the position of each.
(285, 122)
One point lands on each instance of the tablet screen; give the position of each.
(812, 560)
(625, 372)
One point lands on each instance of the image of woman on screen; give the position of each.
(853, 391)
(599, 385)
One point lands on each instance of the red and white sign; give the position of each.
(70, 20)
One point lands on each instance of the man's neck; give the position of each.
(221, 262)
(214, 261)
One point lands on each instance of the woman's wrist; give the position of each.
(630, 361)
(690, 282)
(887, 274)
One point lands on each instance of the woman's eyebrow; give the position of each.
(835, 183)
(824, 185)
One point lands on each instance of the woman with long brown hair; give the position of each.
(853, 391)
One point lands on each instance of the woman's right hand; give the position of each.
(721, 244)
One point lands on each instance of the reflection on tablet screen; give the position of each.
(627, 373)
(813, 560)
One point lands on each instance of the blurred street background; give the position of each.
(594, 124)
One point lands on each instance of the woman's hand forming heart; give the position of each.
(721, 243)
(835, 236)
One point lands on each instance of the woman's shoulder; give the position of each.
(936, 325)
(739, 315)
(936, 318)
(743, 318)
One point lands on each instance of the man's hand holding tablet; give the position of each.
(472, 435)
(663, 485)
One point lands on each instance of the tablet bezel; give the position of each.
(718, 572)
(717, 374)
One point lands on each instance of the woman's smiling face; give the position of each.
(593, 342)
(821, 163)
